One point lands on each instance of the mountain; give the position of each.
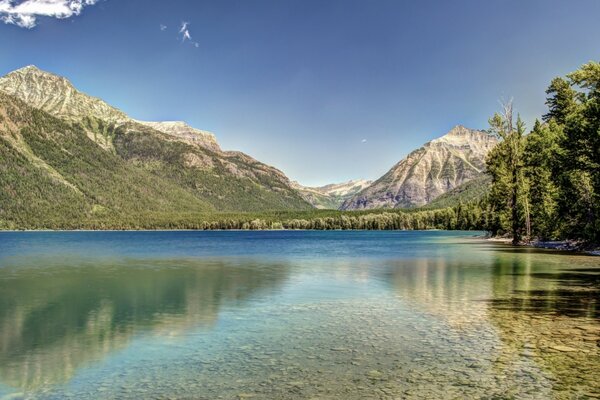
(185, 133)
(470, 191)
(67, 156)
(52, 172)
(57, 96)
(331, 196)
(428, 172)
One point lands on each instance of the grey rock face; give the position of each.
(428, 172)
(57, 96)
(186, 133)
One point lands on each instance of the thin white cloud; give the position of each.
(185, 32)
(24, 13)
(186, 35)
(364, 141)
(163, 27)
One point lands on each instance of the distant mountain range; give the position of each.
(428, 172)
(331, 196)
(67, 155)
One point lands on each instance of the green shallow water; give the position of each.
(294, 315)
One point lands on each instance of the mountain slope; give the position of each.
(52, 172)
(187, 159)
(473, 190)
(230, 181)
(331, 196)
(428, 172)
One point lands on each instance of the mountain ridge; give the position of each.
(331, 196)
(56, 95)
(435, 168)
(166, 153)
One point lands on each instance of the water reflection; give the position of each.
(544, 306)
(56, 319)
(536, 283)
(440, 287)
(318, 315)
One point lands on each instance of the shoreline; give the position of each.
(559, 245)
(235, 230)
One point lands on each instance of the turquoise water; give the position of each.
(294, 315)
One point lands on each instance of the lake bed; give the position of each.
(294, 315)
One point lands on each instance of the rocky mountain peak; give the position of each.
(30, 77)
(27, 68)
(428, 172)
(459, 136)
(56, 95)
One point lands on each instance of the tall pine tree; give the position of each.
(540, 163)
(505, 164)
(574, 106)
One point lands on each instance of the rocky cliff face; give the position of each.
(57, 96)
(428, 172)
(182, 131)
(331, 196)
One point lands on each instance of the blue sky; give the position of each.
(325, 90)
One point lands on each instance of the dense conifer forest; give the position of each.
(546, 184)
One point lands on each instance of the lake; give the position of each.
(294, 315)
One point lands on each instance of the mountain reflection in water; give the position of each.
(55, 320)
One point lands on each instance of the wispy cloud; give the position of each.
(364, 141)
(24, 13)
(163, 27)
(185, 32)
(186, 35)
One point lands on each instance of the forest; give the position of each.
(545, 184)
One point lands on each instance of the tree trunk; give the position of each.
(515, 208)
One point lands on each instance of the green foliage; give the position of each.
(228, 184)
(548, 182)
(466, 217)
(560, 101)
(541, 156)
(55, 174)
(579, 174)
(507, 197)
(469, 192)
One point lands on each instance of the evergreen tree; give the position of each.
(505, 165)
(561, 100)
(540, 159)
(580, 161)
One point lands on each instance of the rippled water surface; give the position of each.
(294, 315)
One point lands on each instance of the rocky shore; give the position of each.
(561, 245)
